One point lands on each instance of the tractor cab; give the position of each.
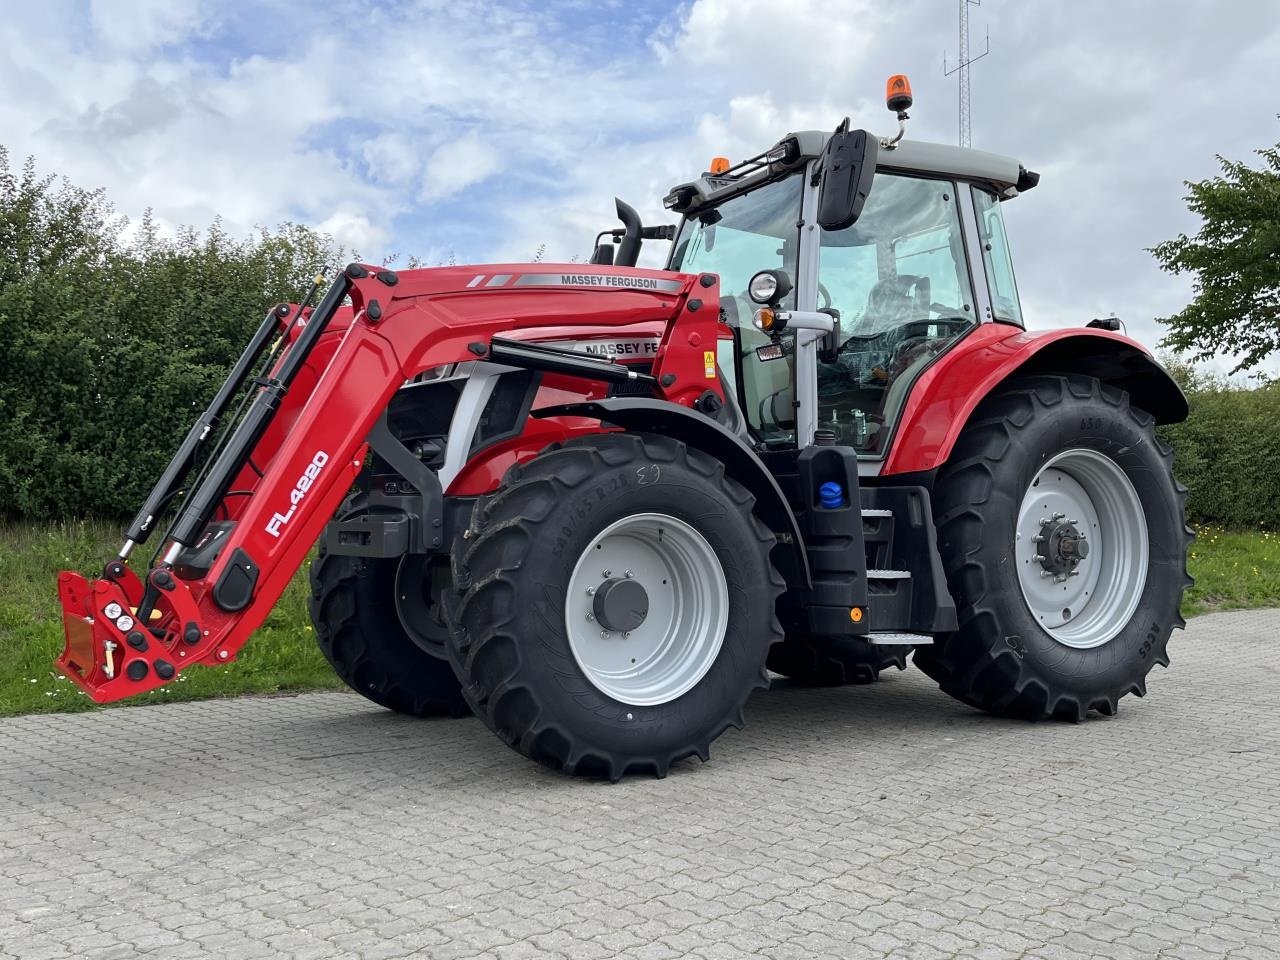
(897, 282)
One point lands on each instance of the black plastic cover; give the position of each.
(194, 562)
(234, 589)
(848, 168)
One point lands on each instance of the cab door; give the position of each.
(900, 281)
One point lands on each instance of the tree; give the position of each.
(1235, 259)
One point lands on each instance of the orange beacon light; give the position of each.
(897, 93)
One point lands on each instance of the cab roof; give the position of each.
(919, 156)
(1005, 175)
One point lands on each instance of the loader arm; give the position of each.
(285, 466)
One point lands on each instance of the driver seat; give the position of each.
(892, 302)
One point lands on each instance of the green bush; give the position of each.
(1228, 451)
(112, 340)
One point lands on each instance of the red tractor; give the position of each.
(596, 504)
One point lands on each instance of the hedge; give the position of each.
(112, 339)
(1228, 452)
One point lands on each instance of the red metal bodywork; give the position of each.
(428, 319)
(940, 402)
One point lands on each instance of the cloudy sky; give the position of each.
(480, 130)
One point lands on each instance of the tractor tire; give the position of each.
(614, 606)
(834, 661)
(360, 632)
(1072, 622)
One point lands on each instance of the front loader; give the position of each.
(597, 504)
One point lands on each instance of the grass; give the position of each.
(1233, 570)
(281, 656)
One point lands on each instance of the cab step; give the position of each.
(900, 639)
(888, 574)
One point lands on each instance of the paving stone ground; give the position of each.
(881, 822)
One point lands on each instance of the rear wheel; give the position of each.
(834, 661)
(616, 605)
(1061, 528)
(378, 624)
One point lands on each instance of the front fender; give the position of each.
(942, 400)
(644, 415)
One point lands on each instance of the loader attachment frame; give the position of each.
(285, 465)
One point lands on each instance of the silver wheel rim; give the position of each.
(1089, 605)
(688, 609)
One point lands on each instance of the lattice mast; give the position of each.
(962, 68)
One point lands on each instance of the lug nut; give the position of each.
(604, 635)
(607, 573)
(591, 616)
(628, 574)
(591, 591)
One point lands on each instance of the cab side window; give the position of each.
(996, 259)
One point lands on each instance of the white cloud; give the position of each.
(363, 131)
(354, 231)
(457, 165)
(136, 25)
(392, 158)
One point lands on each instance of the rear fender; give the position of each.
(947, 393)
(644, 415)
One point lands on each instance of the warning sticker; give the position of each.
(709, 361)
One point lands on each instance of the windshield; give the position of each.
(736, 240)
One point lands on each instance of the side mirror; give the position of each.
(829, 348)
(848, 167)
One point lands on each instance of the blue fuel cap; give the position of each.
(831, 495)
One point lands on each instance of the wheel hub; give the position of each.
(646, 609)
(1060, 547)
(620, 604)
(1081, 547)
(418, 585)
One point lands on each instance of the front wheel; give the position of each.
(377, 625)
(615, 606)
(1061, 528)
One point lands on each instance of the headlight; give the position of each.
(763, 287)
(769, 286)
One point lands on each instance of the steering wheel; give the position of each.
(825, 294)
(916, 332)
